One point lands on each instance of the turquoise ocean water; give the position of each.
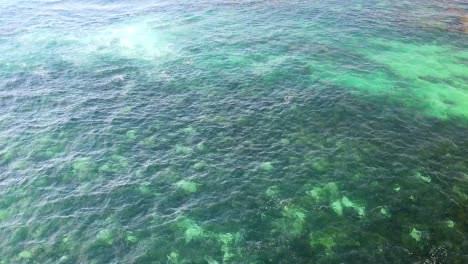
(222, 131)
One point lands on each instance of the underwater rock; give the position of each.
(67, 240)
(272, 191)
(266, 166)
(149, 141)
(228, 241)
(292, 221)
(47, 147)
(217, 119)
(201, 146)
(460, 192)
(187, 186)
(84, 169)
(25, 255)
(326, 193)
(64, 259)
(41, 181)
(105, 236)
(384, 211)
(7, 156)
(360, 210)
(193, 233)
(145, 189)
(397, 188)
(168, 176)
(210, 260)
(116, 164)
(173, 258)
(460, 22)
(413, 63)
(188, 131)
(4, 215)
(324, 240)
(131, 134)
(199, 166)
(416, 234)
(345, 202)
(131, 238)
(321, 165)
(337, 207)
(191, 230)
(327, 239)
(118, 78)
(179, 149)
(20, 165)
(450, 223)
(423, 178)
(52, 152)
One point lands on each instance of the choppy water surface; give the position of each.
(233, 131)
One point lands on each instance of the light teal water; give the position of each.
(233, 131)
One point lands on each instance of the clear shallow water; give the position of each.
(233, 132)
